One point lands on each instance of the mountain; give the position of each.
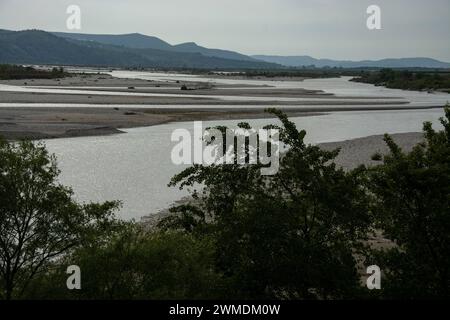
(40, 47)
(132, 40)
(137, 50)
(140, 41)
(300, 61)
(226, 54)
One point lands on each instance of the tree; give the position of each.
(39, 220)
(292, 235)
(412, 192)
(136, 264)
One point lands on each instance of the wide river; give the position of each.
(136, 167)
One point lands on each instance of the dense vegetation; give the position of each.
(407, 80)
(13, 72)
(309, 72)
(299, 234)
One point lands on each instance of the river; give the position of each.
(135, 167)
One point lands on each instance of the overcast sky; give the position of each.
(321, 28)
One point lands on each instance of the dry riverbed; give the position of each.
(100, 112)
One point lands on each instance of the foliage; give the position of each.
(14, 72)
(39, 220)
(136, 264)
(298, 234)
(408, 80)
(413, 205)
(290, 235)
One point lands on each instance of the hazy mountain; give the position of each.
(140, 41)
(299, 61)
(40, 47)
(132, 40)
(226, 54)
(137, 50)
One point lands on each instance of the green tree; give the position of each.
(39, 220)
(292, 235)
(136, 264)
(412, 192)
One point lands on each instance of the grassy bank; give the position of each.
(407, 80)
(15, 72)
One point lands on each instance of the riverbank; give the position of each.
(100, 104)
(65, 122)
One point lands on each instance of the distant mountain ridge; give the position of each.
(226, 54)
(40, 47)
(301, 61)
(132, 40)
(140, 41)
(137, 50)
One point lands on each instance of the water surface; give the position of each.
(135, 167)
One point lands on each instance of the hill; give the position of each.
(140, 41)
(40, 47)
(132, 40)
(300, 61)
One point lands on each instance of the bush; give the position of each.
(413, 205)
(39, 220)
(298, 234)
(137, 264)
(292, 235)
(13, 72)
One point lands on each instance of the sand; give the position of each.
(359, 151)
(101, 113)
(49, 122)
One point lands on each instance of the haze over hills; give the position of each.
(304, 61)
(132, 40)
(140, 41)
(137, 50)
(40, 47)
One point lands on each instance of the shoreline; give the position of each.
(52, 123)
(37, 123)
(154, 99)
(97, 112)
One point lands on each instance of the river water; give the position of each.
(135, 167)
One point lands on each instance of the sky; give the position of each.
(333, 29)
